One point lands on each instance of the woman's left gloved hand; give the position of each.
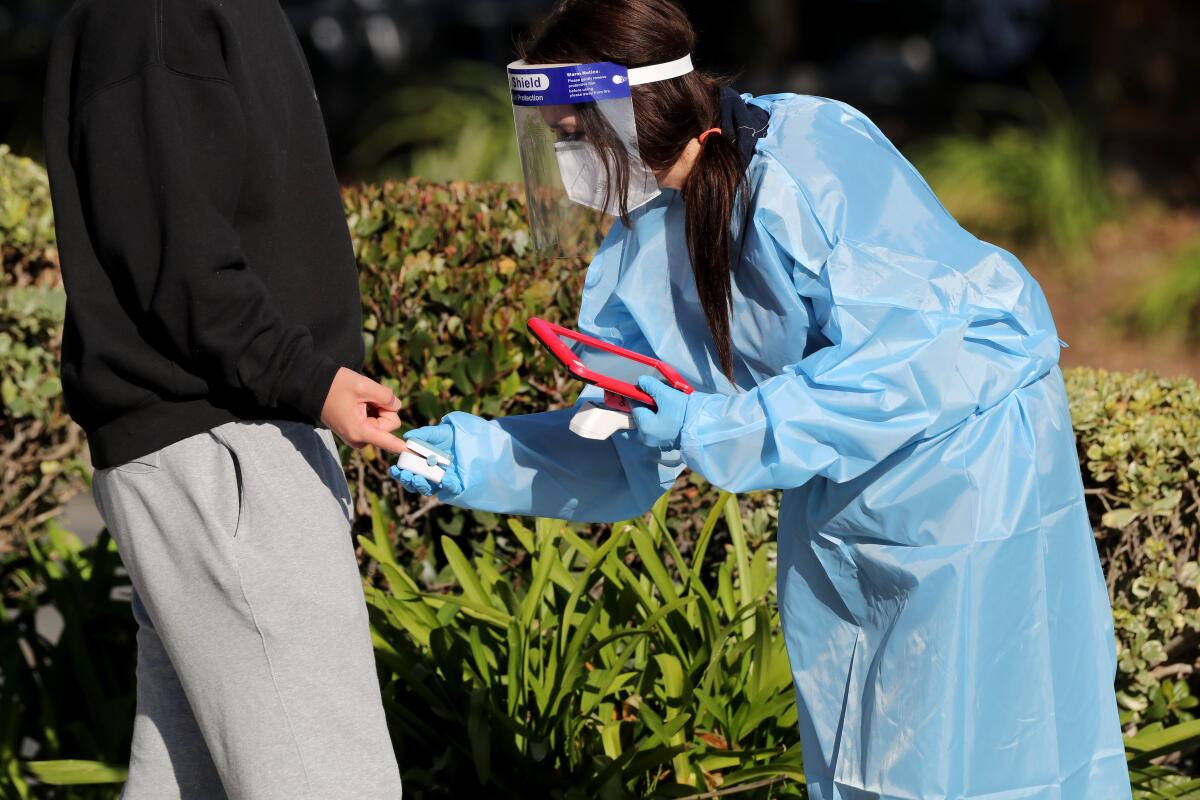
(442, 437)
(661, 428)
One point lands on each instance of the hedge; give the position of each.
(448, 281)
(39, 448)
(1139, 442)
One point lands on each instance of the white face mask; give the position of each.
(583, 177)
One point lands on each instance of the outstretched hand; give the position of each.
(362, 412)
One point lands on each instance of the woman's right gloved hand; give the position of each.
(442, 437)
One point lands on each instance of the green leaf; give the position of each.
(467, 578)
(733, 518)
(544, 563)
(785, 768)
(610, 737)
(1154, 741)
(1119, 518)
(422, 237)
(523, 534)
(710, 524)
(480, 611)
(654, 565)
(76, 773)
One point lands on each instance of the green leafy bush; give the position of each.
(448, 282)
(26, 218)
(606, 668)
(573, 673)
(1139, 440)
(39, 448)
(71, 697)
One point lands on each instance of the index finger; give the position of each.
(381, 439)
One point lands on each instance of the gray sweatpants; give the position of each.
(255, 676)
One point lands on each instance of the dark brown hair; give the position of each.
(670, 114)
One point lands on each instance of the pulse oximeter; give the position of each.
(423, 459)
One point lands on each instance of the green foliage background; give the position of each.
(636, 660)
(39, 448)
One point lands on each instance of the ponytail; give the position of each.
(715, 185)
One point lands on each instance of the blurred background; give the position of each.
(1064, 130)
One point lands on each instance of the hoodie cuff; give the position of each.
(304, 387)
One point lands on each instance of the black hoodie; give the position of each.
(206, 257)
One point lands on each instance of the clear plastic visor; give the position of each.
(577, 137)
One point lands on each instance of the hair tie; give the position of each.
(708, 133)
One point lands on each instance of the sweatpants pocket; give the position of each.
(335, 478)
(142, 465)
(231, 479)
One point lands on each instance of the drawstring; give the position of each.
(708, 133)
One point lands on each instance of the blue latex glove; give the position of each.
(441, 437)
(661, 429)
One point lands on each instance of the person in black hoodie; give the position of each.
(212, 342)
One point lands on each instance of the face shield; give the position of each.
(577, 136)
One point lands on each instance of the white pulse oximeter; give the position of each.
(425, 460)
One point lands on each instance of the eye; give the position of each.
(573, 136)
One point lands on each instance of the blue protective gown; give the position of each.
(942, 599)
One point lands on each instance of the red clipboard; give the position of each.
(617, 392)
